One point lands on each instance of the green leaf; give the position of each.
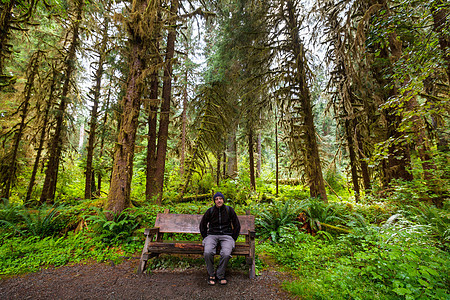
(401, 291)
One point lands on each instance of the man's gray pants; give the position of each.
(210, 244)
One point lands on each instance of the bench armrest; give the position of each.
(150, 234)
(151, 231)
(252, 234)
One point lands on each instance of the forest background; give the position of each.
(328, 120)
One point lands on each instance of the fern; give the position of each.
(117, 230)
(278, 217)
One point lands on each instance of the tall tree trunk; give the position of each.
(32, 72)
(150, 186)
(165, 105)
(184, 124)
(251, 160)
(231, 155)
(224, 164)
(398, 161)
(5, 23)
(363, 163)
(311, 159)
(102, 142)
(258, 162)
(120, 189)
(277, 167)
(440, 11)
(40, 148)
(353, 163)
(89, 180)
(51, 174)
(219, 158)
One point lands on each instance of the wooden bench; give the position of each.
(184, 223)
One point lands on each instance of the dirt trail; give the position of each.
(106, 281)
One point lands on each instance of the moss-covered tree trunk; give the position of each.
(43, 133)
(27, 94)
(251, 158)
(259, 159)
(399, 160)
(277, 161)
(164, 120)
(122, 172)
(311, 158)
(5, 23)
(440, 11)
(90, 176)
(150, 189)
(152, 109)
(231, 165)
(184, 122)
(51, 173)
(102, 142)
(349, 126)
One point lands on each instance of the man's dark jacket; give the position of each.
(221, 220)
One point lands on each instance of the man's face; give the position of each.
(219, 201)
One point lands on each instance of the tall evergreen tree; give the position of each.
(56, 147)
(139, 23)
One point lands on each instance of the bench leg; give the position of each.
(252, 269)
(250, 261)
(144, 256)
(142, 263)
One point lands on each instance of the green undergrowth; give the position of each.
(374, 249)
(24, 255)
(400, 262)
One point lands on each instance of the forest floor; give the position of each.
(110, 281)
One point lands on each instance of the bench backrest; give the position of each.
(185, 223)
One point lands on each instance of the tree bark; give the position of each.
(89, 180)
(51, 173)
(231, 155)
(311, 157)
(276, 155)
(165, 105)
(5, 22)
(102, 142)
(33, 70)
(150, 185)
(184, 124)
(349, 126)
(219, 158)
(258, 162)
(363, 163)
(40, 148)
(120, 189)
(251, 161)
(398, 161)
(441, 26)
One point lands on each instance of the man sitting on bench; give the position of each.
(219, 227)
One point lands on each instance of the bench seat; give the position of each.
(184, 223)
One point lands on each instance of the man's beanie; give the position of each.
(218, 194)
